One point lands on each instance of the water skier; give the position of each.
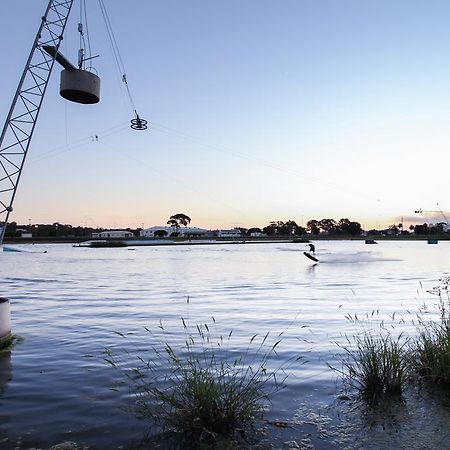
(312, 248)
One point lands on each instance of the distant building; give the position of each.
(229, 233)
(390, 231)
(182, 231)
(257, 234)
(23, 233)
(113, 234)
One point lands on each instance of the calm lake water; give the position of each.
(67, 304)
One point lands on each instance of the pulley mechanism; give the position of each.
(138, 123)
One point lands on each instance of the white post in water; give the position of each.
(5, 322)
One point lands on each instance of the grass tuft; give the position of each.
(6, 342)
(432, 346)
(198, 388)
(433, 353)
(378, 366)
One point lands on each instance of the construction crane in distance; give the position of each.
(439, 210)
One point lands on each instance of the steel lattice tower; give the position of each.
(21, 120)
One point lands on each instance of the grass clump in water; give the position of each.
(6, 342)
(431, 349)
(378, 366)
(200, 390)
(433, 353)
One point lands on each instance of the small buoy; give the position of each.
(5, 323)
(80, 86)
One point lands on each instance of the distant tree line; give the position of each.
(280, 228)
(315, 227)
(419, 230)
(429, 229)
(343, 227)
(330, 226)
(53, 230)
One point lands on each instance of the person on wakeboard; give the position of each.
(312, 249)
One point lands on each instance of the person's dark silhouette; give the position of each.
(312, 248)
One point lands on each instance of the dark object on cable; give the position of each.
(138, 123)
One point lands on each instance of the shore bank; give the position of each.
(202, 241)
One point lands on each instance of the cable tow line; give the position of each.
(137, 123)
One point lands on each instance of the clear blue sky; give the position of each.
(259, 110)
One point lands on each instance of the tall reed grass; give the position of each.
(378, 366)
(431, 349)
(199, 387)
(374, 362)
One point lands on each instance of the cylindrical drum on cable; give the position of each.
(5, 322)
(80, 86)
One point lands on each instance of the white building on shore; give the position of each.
(229, 233)
(23, 233)
(182, 231)
(113, 234)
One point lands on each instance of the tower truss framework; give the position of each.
(21, 120)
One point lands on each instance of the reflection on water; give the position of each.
(68, 302)
(5, 370)
(421, 421)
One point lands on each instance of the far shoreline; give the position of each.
(138, 241)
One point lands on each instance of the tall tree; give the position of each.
(394, 228)
(270, 230)
(291, 227)
(421, 229)
(178, 220)
(328, 225)
(313, 226)
(280, 228)
(346, 226)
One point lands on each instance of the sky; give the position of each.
(258, 110)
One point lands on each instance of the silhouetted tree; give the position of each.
(328, 225)
(270, 230)
(281, 228)
(178, 220)
(437, 228)
(300, 231)
(291, 227)
(10, 229)
(394, 229)
(346, 226)
(421, 229)
(313, 226)
(242, 230)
